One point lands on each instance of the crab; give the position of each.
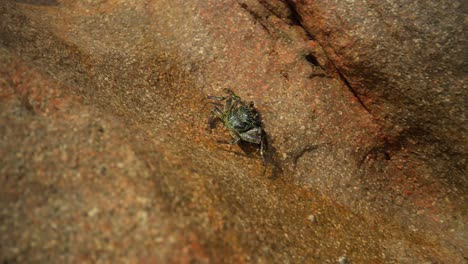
(241, 120)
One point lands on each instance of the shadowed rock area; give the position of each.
(105, 155)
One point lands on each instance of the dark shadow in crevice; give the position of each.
(353, 91)
(319, 75)
(312, 60)
(39, 2)
(296, 18)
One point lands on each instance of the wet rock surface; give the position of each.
(105, 155)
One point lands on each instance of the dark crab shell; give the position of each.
(241, 119)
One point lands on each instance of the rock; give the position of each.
(102, 107)
(404, 61)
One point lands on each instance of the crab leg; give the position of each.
(235, 137)
(228, 105)
(263, 149)
(215, 113)
(217, 98)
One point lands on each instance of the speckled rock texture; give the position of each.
(105, 155)
(405, 61)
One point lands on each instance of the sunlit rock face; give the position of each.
(106, 155)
